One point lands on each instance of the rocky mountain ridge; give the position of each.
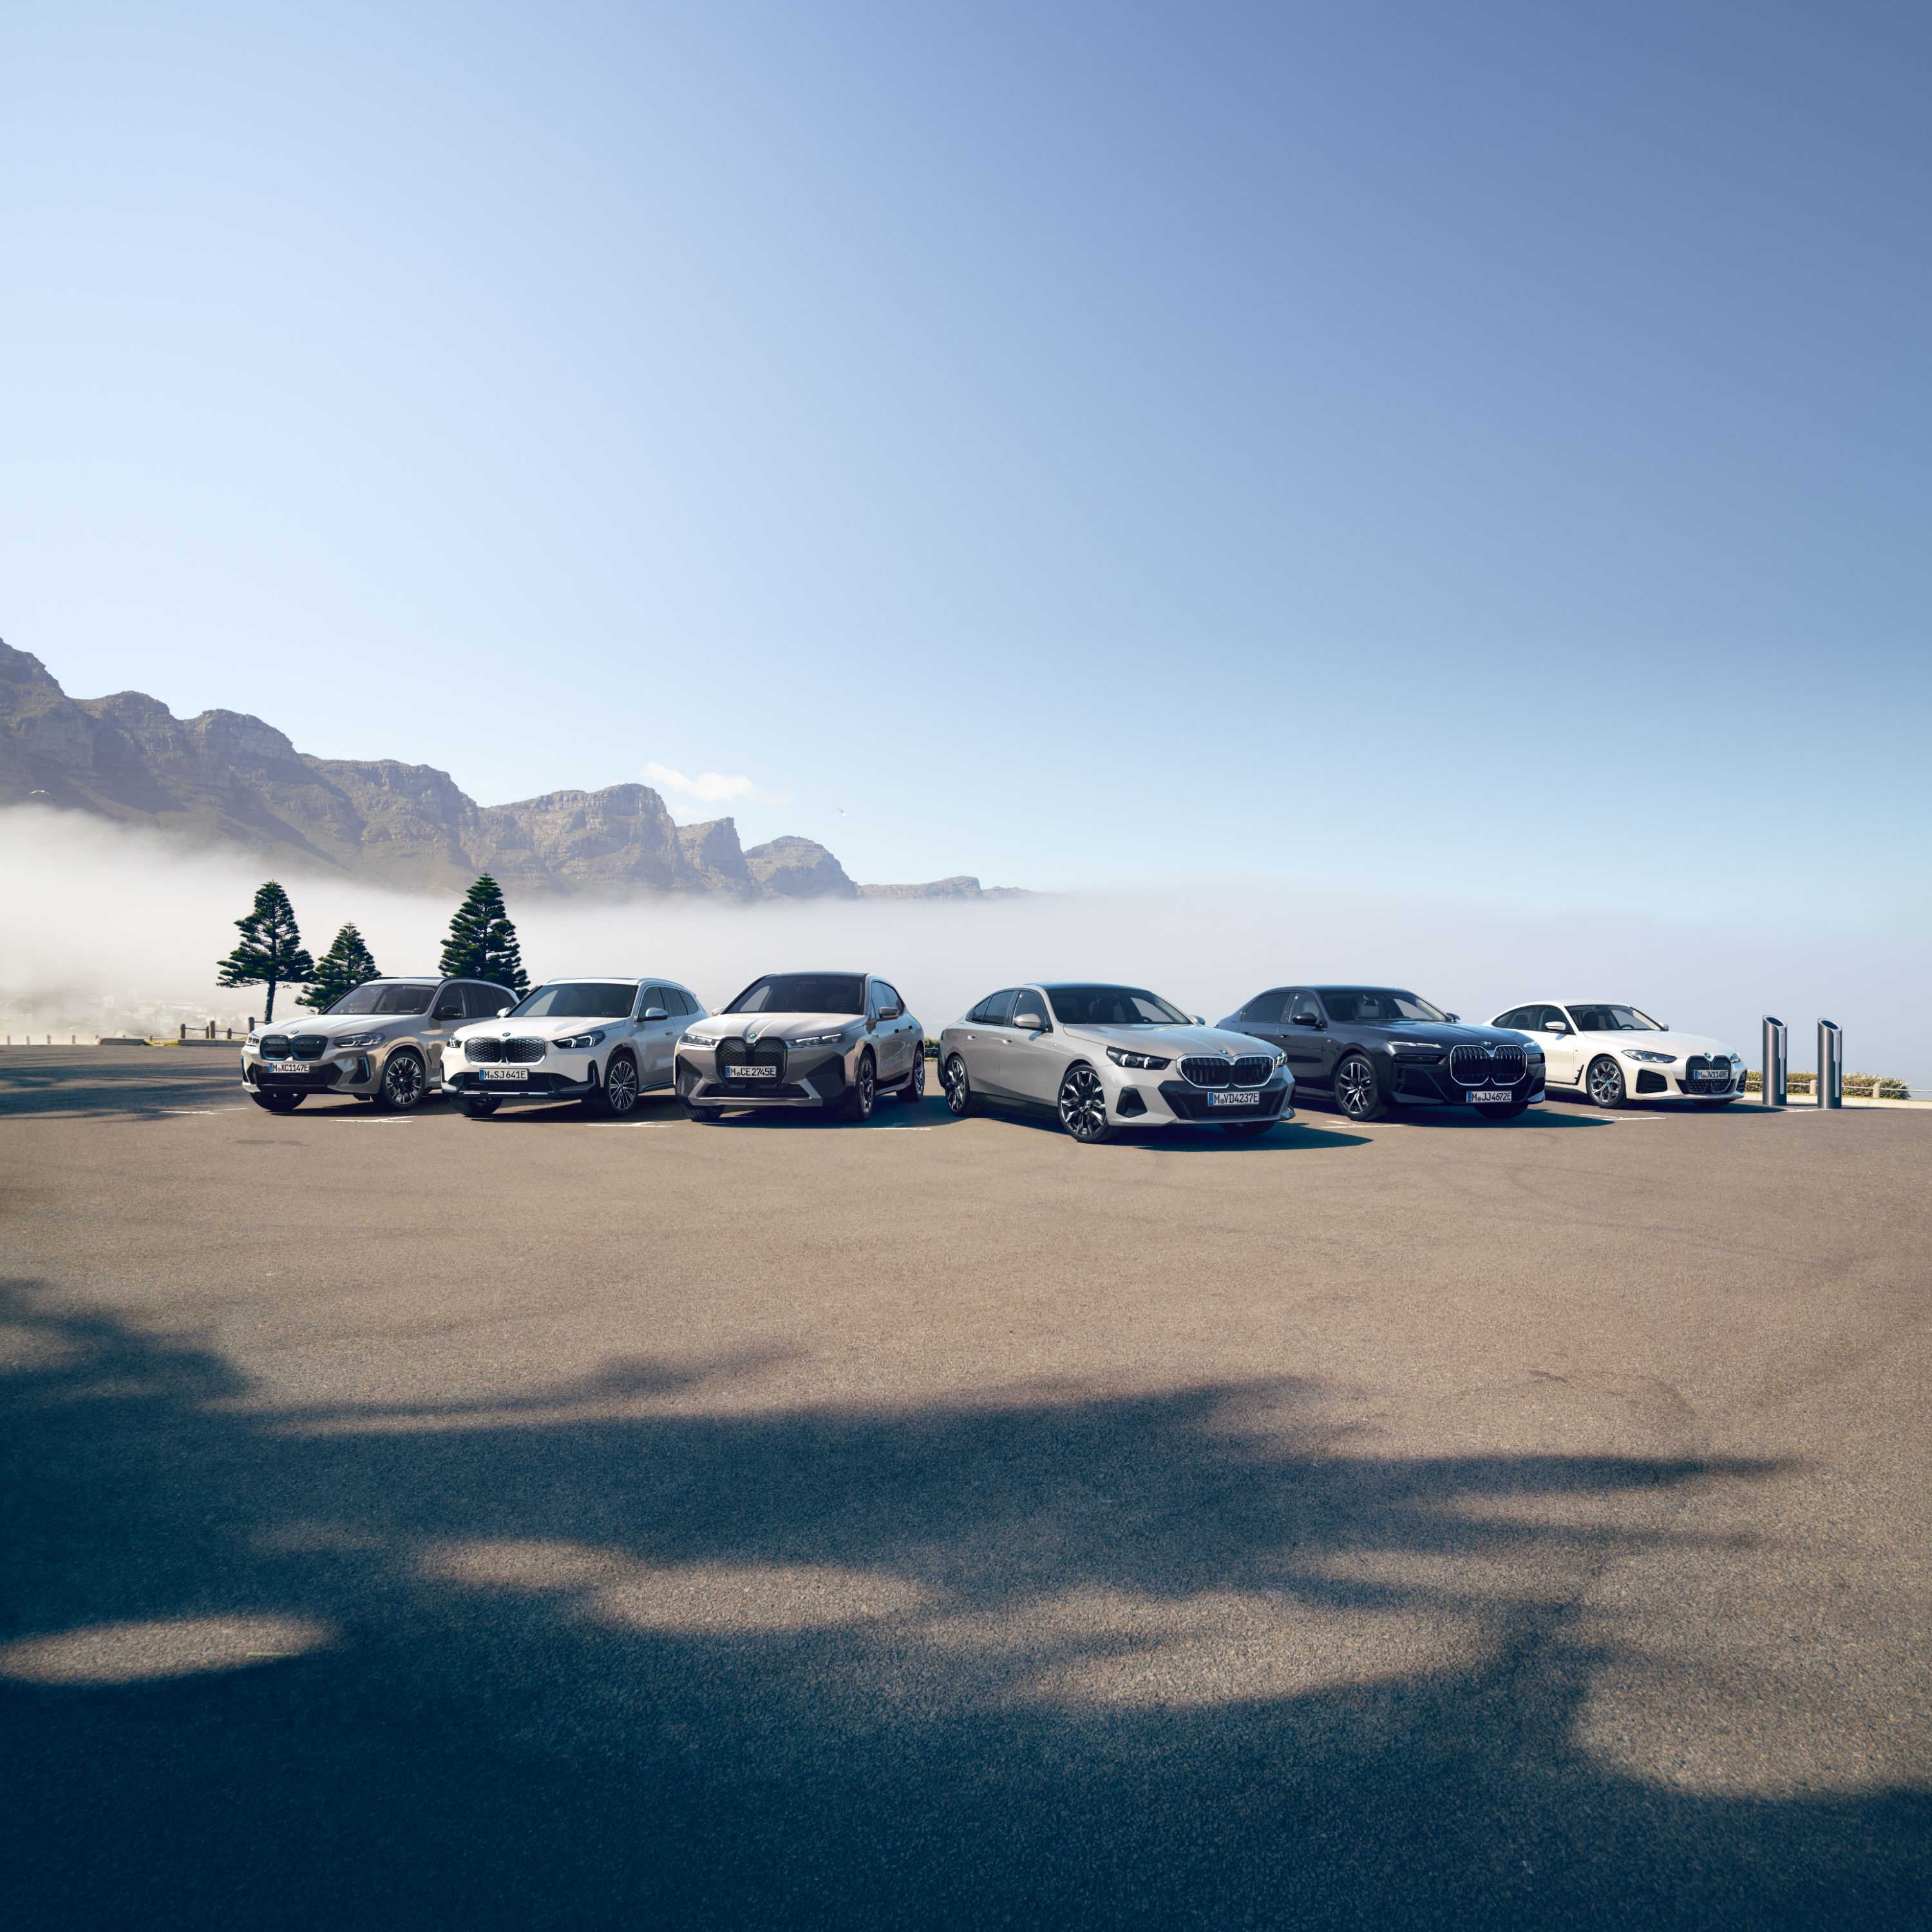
(228, 778)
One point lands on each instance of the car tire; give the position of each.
(279, 1103)
(479, 1106)
(1083, 1106)
(863, 1093)
(1358, 1092)
(1493, 1112)
(1604, 1084)
(914, 1091)
(1247, 1129)
(403, 1083)
(958, 1087)
(616, 1095)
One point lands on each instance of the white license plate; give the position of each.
(1713, 1079)
(289, 1066)
(1484, 1094)
(751, 1070)
(1233, 1099)
(506, 1073)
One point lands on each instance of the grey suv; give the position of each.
(382, 1043)
(829, 1040)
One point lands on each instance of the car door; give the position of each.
(1306, 1039)
(448, 1011)
(979, 1037)
(895, 1057)
(1266, 1017)
(654, 1038)
(1036, 1058)
(1562, 1051)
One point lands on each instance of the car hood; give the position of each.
(1173, 1041)
(787, 1027)
(1683, 1045)
(544, 1029)
(335, 1026)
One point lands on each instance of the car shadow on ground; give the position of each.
(1531, 1119)
(640, 1655)
(1299, 1135)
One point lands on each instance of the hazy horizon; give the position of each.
(77, 887)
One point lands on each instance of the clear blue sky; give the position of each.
(1013, 424)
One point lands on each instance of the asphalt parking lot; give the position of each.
(547, 1522)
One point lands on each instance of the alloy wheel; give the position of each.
(1355, 1087)
(915, 1087)
(1606, 1082)
(620, 1086)
(958, 1089)
(403, 1082)
(1083, 1104)
(863, 1091)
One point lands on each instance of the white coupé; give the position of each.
(1611, 1053)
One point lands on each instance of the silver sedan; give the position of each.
(1103, 1056)
(833, 1041)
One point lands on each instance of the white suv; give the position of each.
(603, 1042)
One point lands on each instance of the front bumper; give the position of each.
(339, 1073)
(1430, 1084)
(1180, 1103)
(817, 1077)
(538, 1083)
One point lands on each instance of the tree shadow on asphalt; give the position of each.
(701, 1664)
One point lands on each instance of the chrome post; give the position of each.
(1773, 1094)
(1830, 1064)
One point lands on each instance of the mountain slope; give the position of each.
(226, 778)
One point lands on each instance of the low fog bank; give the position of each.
(106, 930)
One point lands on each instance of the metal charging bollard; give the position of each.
(1830, 1064)
(1773, 1094)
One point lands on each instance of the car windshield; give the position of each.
(1112, 1006)
(577, 1000)
(1375, 1006)
(1613, 1019)
(802, 993)
(377, 996)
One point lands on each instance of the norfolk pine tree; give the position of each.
(270, 953)
(482, 943)
(340, 970)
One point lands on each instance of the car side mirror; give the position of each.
(656, 1013)
(1307, 1020)
(892, 1012)
(1557, 1026)
(1452, 1017)
(1030, 1022)
(502, 1012)
(447, 1013)
(1200, 1019)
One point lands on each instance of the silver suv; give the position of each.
(828, 1040)
(383, 1042)
(603, 1041)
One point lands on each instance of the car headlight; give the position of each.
(1152, 1062)
(696, 1040)
(842, 1037)
(1416, 1049)
(1638, 1053)
(580, 1043)
(358, 1040)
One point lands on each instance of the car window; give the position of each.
(1542, 1018)
(1030, 1000)
(1523, 1016)
(1304, 1005)
(654, 996)
(676, 1001)
(802, 993)
(1266, 1007)
(1376, 1005)
(1113, 1006)
(888, 996)
(577, 1000)
(385, 996)
(451, 1004)
(485, 1002)
(1613, 1019)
